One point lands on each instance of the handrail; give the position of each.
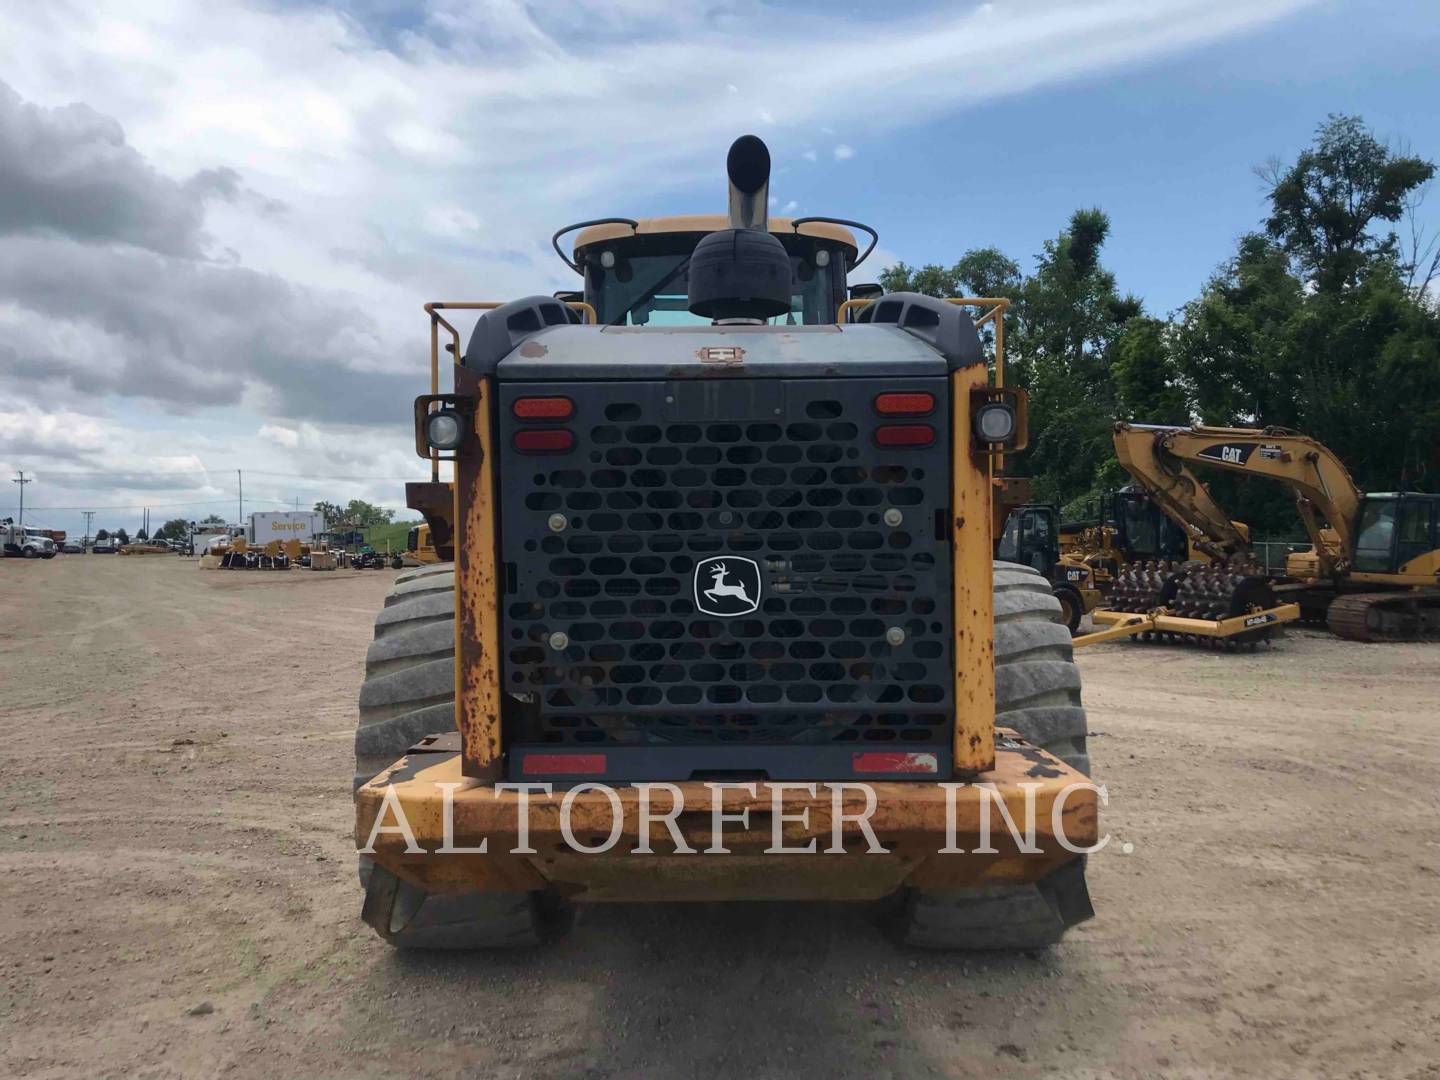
(572, 264)
(437, 320)
(995, 316)
(874, 236)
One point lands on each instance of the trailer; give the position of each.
(284, 525)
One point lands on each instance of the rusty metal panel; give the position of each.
(477, 588)
(974, 618)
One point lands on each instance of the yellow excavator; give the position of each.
(1373, 570)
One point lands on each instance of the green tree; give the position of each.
(363, 515)
(212, 519)
(142, 535)
(1069, 315)
(1314, 326)
(122, 536)
(333, 513)
(174, 529)
(1235, 344)
(1325, 207)
(1148, 386)
(103, 534)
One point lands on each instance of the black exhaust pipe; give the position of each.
(742, 273)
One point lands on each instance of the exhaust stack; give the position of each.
(748, 164)
(741, 274)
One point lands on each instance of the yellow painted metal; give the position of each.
(584, 309)
(438, 321)
(477, 598)
(1121, 624)
(909, 820)
(974, 617)
(706, 223)
(1160, 459)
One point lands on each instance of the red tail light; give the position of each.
(905, 435)
(907, 404)
(563, 765)
(543, 408)
(894, 762)
(544, 441)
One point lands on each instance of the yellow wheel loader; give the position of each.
(718, 617)
(1373, 570)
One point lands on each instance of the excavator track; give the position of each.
(1193, 592)
(1386, 616)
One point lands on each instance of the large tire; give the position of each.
(408, 693)
(1037, 685)
(409, 688)
(1072, 607)
(1037, 693)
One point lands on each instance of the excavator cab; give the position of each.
(1142, 530)
(1395, 530)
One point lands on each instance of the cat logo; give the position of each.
(727, 585)
(1227, 453)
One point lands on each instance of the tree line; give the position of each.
(1324, 321)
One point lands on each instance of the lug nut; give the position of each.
(893, 517)
(558, 522)
(559, 640)
(895, 636)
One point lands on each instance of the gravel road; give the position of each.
(177, 891)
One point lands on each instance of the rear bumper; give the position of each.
(911, 820)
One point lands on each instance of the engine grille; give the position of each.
(665, 475)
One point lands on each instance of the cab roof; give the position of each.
(708, 223)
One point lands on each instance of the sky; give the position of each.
(219, 221)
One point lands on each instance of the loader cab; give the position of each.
(1031, 537)
(636, 274)
(1395, 528)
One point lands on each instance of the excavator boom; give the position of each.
(1161, 458)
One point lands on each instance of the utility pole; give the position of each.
(240, 513)
(85, 540)
(22, 482)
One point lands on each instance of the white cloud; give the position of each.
(843, 152)
(309, 178)
(282, 436)
(790, 207)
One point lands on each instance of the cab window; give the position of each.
(1416, 530)
(1375, 541)
(1008, 550)
(647, 284)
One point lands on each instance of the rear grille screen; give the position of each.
(667, 476)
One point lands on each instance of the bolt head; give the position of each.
(893, 517)
(558, 522)
(559, 640)
(895, 636)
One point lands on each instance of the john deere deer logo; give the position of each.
(727, 585)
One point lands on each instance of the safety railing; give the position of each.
(992, 314)
(437, 321)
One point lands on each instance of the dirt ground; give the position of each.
(177, 889)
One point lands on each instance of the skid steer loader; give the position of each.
(719, 617)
